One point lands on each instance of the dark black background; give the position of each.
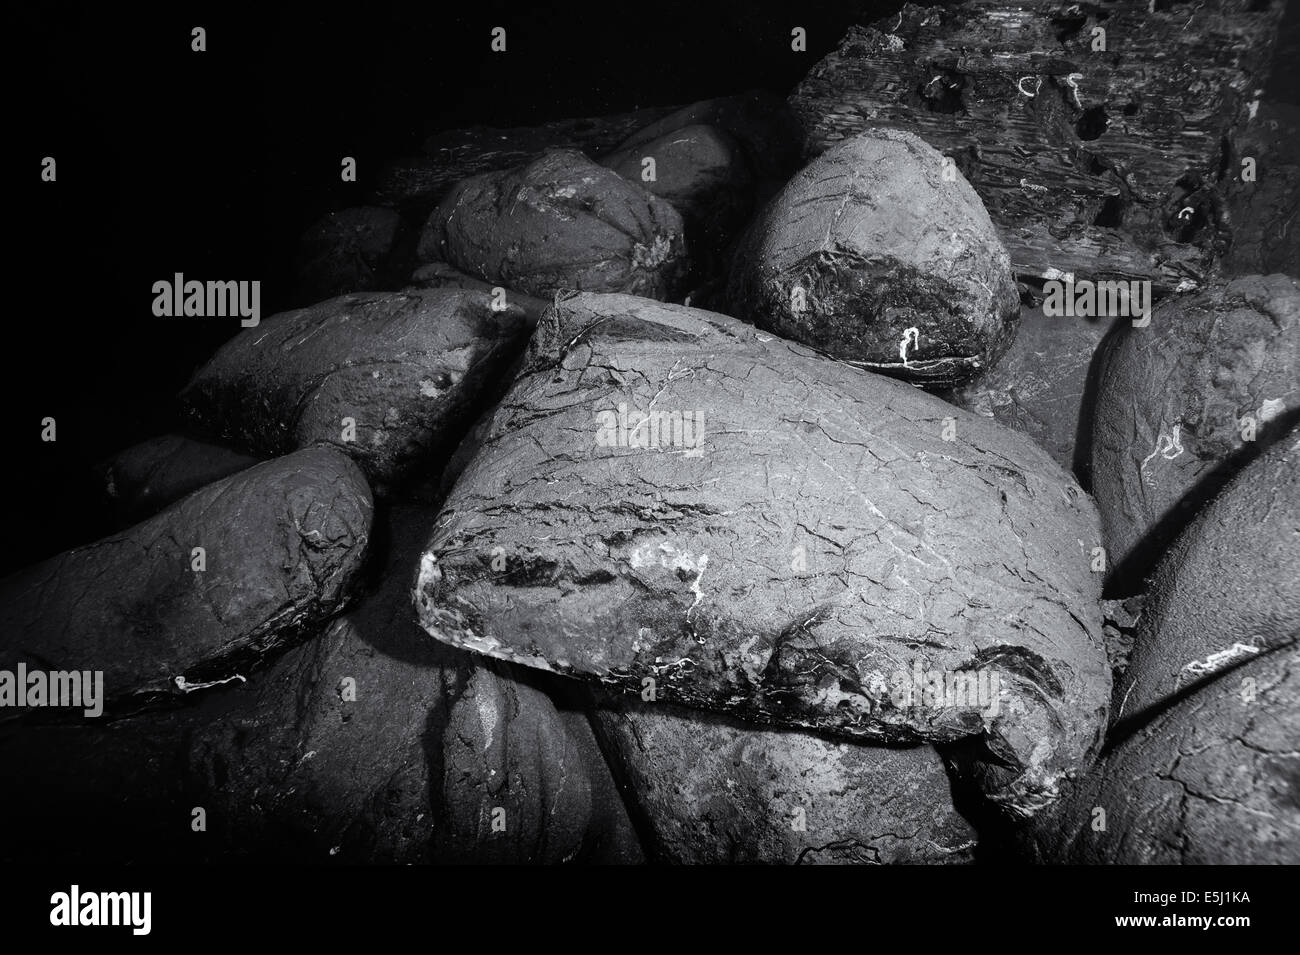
(335, 908)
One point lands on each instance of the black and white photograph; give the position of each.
(654, 434)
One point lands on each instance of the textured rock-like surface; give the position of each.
(870, 255)
(1262, 211)
(346, 251)
(148, 476)
(406, 367)
(714, 791)
(1120, 619)
(341, 750)
(523, 782)
(1039, 385)
(410, 765)
(282, 543)
(700, 170)
(759, 120)
(562, 221)
(1086, 159)
(1212, 780)
(1227, 590)
(331, 754)
(1174, 400)
(375, 744)
(416, 183)
(818, 539)
(442, 275)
